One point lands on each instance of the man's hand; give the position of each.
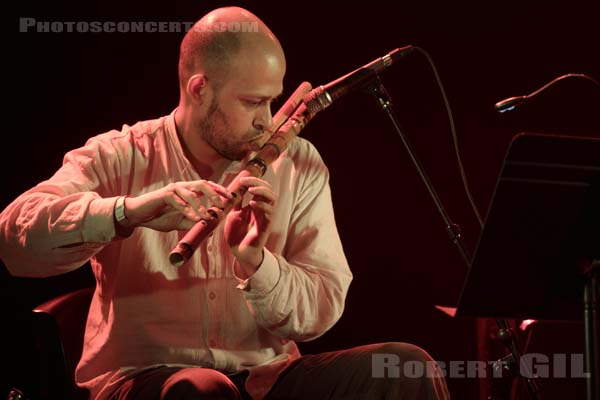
(246, 229)
(177, 206)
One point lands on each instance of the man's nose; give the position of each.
(263, 118)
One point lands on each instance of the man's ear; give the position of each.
(196, 87)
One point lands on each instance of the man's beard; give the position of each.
(216, 131)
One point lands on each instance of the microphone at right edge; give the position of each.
(322, 96)
(512, 102)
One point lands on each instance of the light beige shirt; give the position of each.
(147, 312)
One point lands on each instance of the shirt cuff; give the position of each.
(264, 279)
(98, 225)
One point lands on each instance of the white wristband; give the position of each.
(120, 216)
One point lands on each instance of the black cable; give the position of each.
(454, 136)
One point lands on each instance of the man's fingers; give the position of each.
(265, 208)
(263, 194)
(177, 203)
(219, 189)
(251, 181)
(202, 193)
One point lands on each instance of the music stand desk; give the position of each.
(539, 251)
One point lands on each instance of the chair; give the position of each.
(59, 326)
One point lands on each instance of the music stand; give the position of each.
(539, 252)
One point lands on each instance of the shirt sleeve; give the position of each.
(58, 225)
(300, 293)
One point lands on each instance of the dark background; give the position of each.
(66, 87)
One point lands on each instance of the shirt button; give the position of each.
(212, 295)
(210, 247)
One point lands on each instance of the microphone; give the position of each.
(322, 96)
(509, 104)
(512, 102)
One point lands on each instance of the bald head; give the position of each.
(211, 44)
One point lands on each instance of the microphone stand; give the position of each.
(383, 99)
